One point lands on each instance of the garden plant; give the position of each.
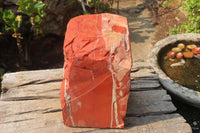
(99, 5)
(192, 24)
(12, 23)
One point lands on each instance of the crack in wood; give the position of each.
(151, 113)
(28, 98)
(53, 111)
(26, 112)
(150, 77)
(50, 81)
(29, 83)
(40, 82)
(16, 121)
(134, 81)
(136, 69)
(144, 89)
(57, 89)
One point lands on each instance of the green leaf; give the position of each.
(12, 22)
(34, 9)
(86, 13)
(1, 15)
(37, 21)
(39, 4)
(27, 7)
(2, 71)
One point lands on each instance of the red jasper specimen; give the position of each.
(171, 54)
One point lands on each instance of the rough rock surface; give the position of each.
(96, 82)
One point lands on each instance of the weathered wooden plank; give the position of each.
(142, 103)
(144, 78)
(140, 65)
(143, 73)
(165, 123)
(142, 70)
(33, 105)
(154, 124)
(18, 79)
(33, 92)
(40, 116)
(144, 84)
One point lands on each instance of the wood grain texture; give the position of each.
(31, 104)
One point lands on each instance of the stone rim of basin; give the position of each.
(189, 96)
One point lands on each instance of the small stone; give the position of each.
(177, 19)
(191, 46)
(194, 123)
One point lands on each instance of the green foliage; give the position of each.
(192, 25)
(31, 8)
(12, 21)
(2, 71)
(86, 13)
(1, 21)
(35, 10)
(104, 7)
(37, 21)
(166, 3)
(95, 3)
(1, 15)
(99, 4)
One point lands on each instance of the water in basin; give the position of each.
(188, 74)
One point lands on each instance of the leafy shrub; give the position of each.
(166, 3)
(100, 5)
(35, 10)
(2, 71)
(11, 23)
(192, 24)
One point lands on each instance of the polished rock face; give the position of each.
(185, 94)
(96, 82)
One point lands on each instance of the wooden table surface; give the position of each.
(31, 104)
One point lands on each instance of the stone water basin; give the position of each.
(182, 81)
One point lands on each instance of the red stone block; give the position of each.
(96, 83)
